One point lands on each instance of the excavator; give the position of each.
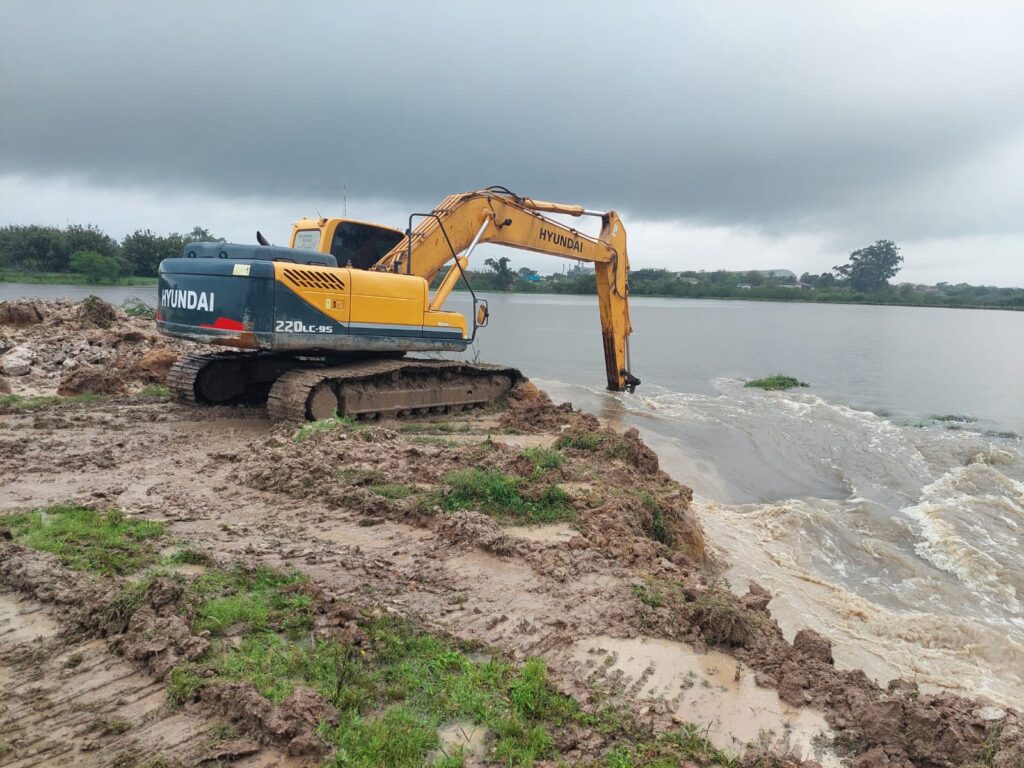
(322, 327)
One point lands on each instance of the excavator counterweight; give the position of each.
(320, 327)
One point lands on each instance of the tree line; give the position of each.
(89, 251)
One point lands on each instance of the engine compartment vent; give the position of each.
(308, 278)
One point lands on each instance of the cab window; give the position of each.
(362, 245)
(307, 240)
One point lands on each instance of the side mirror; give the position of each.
(483, 314)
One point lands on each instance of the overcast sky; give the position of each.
(728, 134)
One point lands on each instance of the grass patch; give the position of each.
(88, 540)
(66, 278)
(10, 403)
(544, 459)
(503, 496)
(393, 690)
(658, 530)
(393, 491)
(325, 425)
(188, 556)
(587, 441)
(777, 382)
(649, 595)
(155, 390)
(686, 745)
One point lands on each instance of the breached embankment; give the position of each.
(612, 586)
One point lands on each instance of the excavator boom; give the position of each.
(495, 215)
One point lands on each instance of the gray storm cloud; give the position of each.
(902, 120)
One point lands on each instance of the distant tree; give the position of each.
(35, 248)
(200, 235)
(97, 267)
(505, 278)
(870, 268)
(753, 277)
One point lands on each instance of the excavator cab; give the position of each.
(355, 244)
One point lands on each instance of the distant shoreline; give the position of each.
(65, 278)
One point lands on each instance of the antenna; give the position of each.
(344, 201)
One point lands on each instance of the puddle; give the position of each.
(465, 738)
(525, 441)
(22, 621)
(554, 533)
(711, 690)
(253, 426)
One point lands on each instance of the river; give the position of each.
(883, 505)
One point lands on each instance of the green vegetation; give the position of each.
(778, 381)
(393, 490)
(588, 441)
(96, 267)
(394, 688)
(325, 425)
(503, 496)
(658, 530)
(77, 254)
(9, 403)
(188, 556)
(88, 540)
(64, 278)
(648, 594)
(138, 308)
(155, 390)
(544, 459)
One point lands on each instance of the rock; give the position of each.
(990, 713)
(90, 380)
(881, 721)
(17, 362)
(5, 386)
(810, 643)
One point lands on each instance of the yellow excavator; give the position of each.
(323, 326)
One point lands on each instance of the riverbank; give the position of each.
(68, 278)
(527, 532)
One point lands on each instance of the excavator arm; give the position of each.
(495, 215)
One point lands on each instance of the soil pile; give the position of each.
(87, 347)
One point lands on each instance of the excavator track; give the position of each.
(227, 377)
(373, 388)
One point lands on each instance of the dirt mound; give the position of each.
(82, 347)
(22, 312)
(530, 410)
(90, 380)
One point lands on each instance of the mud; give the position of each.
(235, 487)
(67, 699)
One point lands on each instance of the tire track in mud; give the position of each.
(66, 699)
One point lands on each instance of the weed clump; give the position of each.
(544, 459)
(135, 307)
(86, 539)
(155, 390)
(325, 425)
(778, 381)
(503, 496)
(393, 491)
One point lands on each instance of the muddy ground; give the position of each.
(617, 592)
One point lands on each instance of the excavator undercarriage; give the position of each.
(299, 388)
